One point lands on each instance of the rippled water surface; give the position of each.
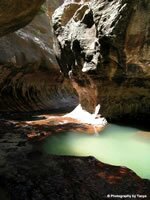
(117, 145)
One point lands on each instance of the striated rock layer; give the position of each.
(30, 78)
(103, 47)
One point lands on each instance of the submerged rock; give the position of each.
(103, 47)
(30, 80)
(26, 172)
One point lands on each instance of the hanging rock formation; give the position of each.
(103, 47)
(17, 13)
(30, 78)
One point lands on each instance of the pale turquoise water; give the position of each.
(117, 145)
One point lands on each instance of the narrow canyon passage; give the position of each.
(74, 99)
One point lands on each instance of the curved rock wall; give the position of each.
(103, 47)
(17, 13)
(30, 78)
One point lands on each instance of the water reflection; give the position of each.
(117, 145)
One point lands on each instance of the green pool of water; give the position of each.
(117, 145)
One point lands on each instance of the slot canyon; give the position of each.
(74, 99)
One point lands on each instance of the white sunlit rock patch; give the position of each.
(85, 117)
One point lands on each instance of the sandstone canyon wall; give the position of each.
(103, 66)
(17, 13)
(103, 47)
(30, 77)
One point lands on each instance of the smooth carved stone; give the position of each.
(30, 77)
(28, 173)
(15, 14)
(103, 47)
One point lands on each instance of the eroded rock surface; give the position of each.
(103, 47)
(28, 173)
(17, 13)
(30, 77)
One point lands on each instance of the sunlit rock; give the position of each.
(85, 117)
(102, 46)
(30, 77)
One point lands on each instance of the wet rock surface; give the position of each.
(103, 47)
(30, 80)
(28, 173)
